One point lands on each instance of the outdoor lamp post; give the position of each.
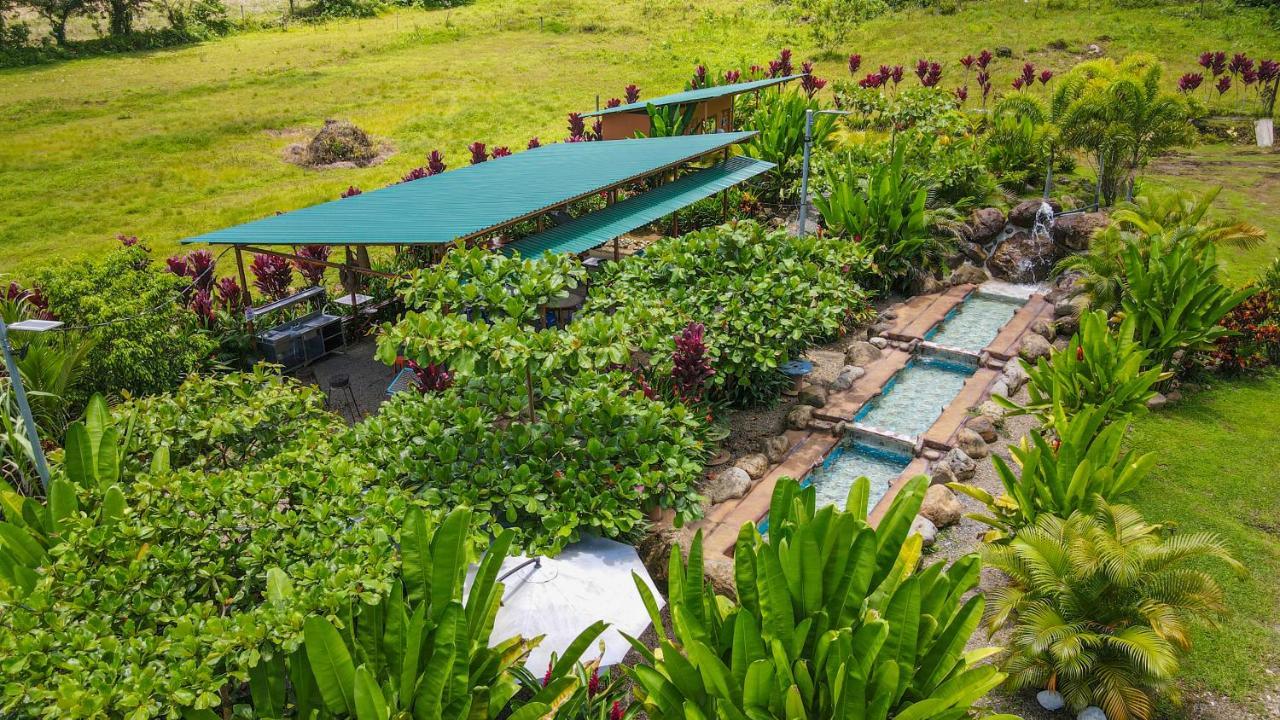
(20, 394)
(804, 168)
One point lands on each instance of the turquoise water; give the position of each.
(975, 323)
(916, 396)
(852, 461)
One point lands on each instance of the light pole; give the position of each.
(804, 168)
(20, 394)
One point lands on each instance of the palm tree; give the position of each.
(1099, 605)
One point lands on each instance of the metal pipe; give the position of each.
(24, 409)
(804, 171)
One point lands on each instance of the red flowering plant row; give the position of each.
(1245, 74)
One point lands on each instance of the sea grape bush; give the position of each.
(763, 297)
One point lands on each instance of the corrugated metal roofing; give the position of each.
(693, 96)
(473, 199)
(604, 225)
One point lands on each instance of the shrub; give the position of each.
(1099, 367)
(1099, 606)
(1084, 464)
(763, 298)
(140, 595)
(780, 123)
(1254, 325)
(145, 341)
(832, 620)
(595, 459)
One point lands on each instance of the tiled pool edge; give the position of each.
(722, 525)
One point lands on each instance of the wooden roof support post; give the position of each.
(244, 286)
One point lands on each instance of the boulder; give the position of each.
(1068, 325)
(1157, 402)
(889, 314)
(718, 571)
(799, 417)
(971, 443)
(1045, 329)
(923, 283)
(1173, 396)
(960, 464)
(1014, 377)
(879, 328)
(755, 465)
(999, 388)
(1065, 308)
(1050, 700)
(982, 425)
(1074, 232)
(941, 475)
(1034, 347)
(1024, 213)
(941, 507)
(974, 252)
(968, 273)
(1093, 712)
(927, 531)
(1023, 257)
(847, 377)
(812, 395)
(879, 342)
(861, 353)
(777, 447)
(993, 412)
(984, 225)
(728, 484)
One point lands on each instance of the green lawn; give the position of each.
(170, 144)
(1218, 457)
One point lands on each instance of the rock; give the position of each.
(1004, 51)
(993, 412)
(1065, 308)
(755, 465)
(1023, 257)
(1074, 232)
(974, 252)
(1050, 700)
(1014, 377)
(1033, 348)
(925, 529)
(812, 395)
(968, 274)
(1024, 213)
(879, 342)
(728, 484)
(1068, 325)
(1157, 402)
(1092, 712)
(879, 328)
(924, 283)
(971, 443)
(999, 388)
(985, 224)
(941, 507)
(776, 448)
(799, 417)
(982, 425)
(941, 475)
(861, 353)
(1173, 396)
(960, 464)
(1045, 329)
(847, 377)
(889, 314)
(1093, 50)
(718, 571)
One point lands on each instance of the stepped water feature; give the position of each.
(1024, 250)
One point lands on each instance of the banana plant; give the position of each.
(423, 652)
(833, 620)
(1085, 462)
(1098, 367)
(91, 466)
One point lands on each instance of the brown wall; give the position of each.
(623, 125)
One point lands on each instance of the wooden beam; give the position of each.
(341, 266)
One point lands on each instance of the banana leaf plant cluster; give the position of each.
(834, 619)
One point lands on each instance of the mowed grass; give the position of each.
(170, 144)
(1217, 457)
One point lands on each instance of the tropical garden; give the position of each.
(214, 541)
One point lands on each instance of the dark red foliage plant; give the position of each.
(534, 142)
(435, 163)
(1224, 84)
(811, 83)
(855, 62)
(272, 275)
(784, 62)
(631, 93)
(984, 59)
(479, 153)
(313, 273)
(690, 366)
(613, 102)
(202, 306)
(699, 79)
(430, 378)
(500, 151)
(230, 294)
(732, 76)
(1028, 74)
(1190, 82)
(1045, 76)
(351, 191)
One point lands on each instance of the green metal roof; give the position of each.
(599, 227)
(694, 96)
(470, 200)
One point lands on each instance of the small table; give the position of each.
(563, 307)
(404, 380)
(796, 370)
(346, 300)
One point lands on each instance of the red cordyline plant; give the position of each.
(500, 151)
(962, 93)
(1240, 63)
(435, 163)
(967, 61)
(597, 129)
(855, 62)
(201, 264)
(1045, 76)
(784, 62)
(534, 142)
(732, 76)
(1268, 85)
(984, 59)
(872, 80)
(272, 275)
(613, 102)
(756, 71)
(415, 174)
(351, 191)
(811, 83)
(690, 367)
(1190, 82)
(1255, 338)
(1224, 84)
(1017, 83)
(313, 273)
(202, 306)
(230, 295)
(896, 74)
(479, 153)
(430, 378)
(929, 73)
(631, 93)
(1214, 62)
(1028, 74)
(699, 79)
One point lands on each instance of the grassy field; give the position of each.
(1217, 459)
(169, 144)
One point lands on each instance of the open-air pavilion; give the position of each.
(712, 109)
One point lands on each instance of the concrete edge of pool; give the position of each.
(915, 319)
